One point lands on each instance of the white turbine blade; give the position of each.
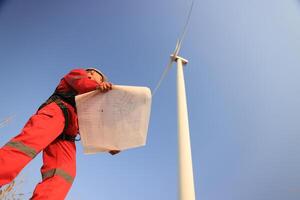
(163, 76)
(177, 48)
(5, 121)
(180, 40)
(176, 51)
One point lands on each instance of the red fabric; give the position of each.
(60, 154)
(40, 133)
(78, 81)
(36, 134)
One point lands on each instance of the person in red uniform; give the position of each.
(52, 129)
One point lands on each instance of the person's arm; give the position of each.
(79, 81)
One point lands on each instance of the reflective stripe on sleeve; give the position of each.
(59, 172)
(23, 148)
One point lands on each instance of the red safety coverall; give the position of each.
(42, 132)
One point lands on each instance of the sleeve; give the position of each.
(80, 82)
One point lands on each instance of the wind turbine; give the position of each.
(5, 121)
(186, 177)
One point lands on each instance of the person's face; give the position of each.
(95, 76)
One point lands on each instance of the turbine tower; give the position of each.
(186, 178)
(185, 165)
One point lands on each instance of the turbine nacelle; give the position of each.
(174, 58)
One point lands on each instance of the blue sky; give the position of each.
(242, 84)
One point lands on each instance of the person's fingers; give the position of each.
(108, 86)
(101, 88)
(105, 89)
(105, 86)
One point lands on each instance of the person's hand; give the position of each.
(105, 86)
(113, 152)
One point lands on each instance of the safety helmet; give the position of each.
(98, 71)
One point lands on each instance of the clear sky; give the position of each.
(242, 84)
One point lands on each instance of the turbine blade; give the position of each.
(5, 121)
(177, 48)
(163, 76)
(180, 40)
